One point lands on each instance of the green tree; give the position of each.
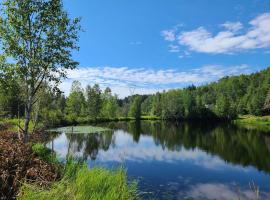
(135, 108)
(267, 102)
(75, 104)
(224, 109)
(50, 106)
(109, 104)
(156, 107)
(94, 101)
(38, 37)
(10, 96)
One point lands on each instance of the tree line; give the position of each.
(224, 99)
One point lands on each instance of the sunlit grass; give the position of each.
(254, 122)
(150, 118)
(13, 124)
(81, 183)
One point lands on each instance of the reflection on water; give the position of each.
(176, 161)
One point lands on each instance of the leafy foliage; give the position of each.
(36, 40)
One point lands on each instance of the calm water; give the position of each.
(179, 161)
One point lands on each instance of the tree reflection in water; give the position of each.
(232, 144)
(89, 144)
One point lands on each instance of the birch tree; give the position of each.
(37, 38)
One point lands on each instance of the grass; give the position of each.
(45, 153)
(79, 129)
(81, 183)
(14, 124)
(150, 118)
(261, 123)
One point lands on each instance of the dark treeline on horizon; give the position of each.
(224, 99)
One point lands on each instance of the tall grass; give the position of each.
(81, 183)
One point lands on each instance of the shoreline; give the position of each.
(33, 171)
(261, 123)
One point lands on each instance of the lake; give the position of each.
(179, 161)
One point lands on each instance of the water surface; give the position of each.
(179, 161)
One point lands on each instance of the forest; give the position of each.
(224, 99)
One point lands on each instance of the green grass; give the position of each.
(261, 123)
(14, 124)
(150, 118)
(45, 153)
(79, 129)
(81, 183)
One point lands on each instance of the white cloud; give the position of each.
(169, 35)
(122, 80)
(228, 41)
(223, 192)
(232, 26)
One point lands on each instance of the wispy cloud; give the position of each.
(174, 48)
(145, 81)
(223, 192)
(136, 43)
(227, 41)
(169, 35)
(232, 26)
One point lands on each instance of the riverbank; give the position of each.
(32, 171)
(261, 123)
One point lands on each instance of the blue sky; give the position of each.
(150, 45)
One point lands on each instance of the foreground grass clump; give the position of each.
(81, 183)
(44, 153)
(261, 123)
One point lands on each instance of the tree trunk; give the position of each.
(28, 109)
(26, 126)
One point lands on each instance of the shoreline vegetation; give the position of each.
(32, 171)
(261, 123)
